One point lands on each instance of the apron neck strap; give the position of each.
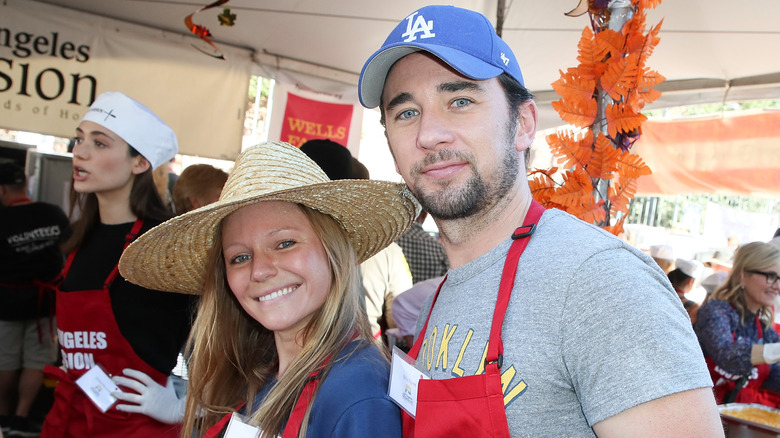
(520, 238)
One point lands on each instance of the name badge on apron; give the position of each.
(404, 377)
(98, 387)
(237, 428)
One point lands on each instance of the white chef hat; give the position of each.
(691, 268)
(135, 124)
(664, 252)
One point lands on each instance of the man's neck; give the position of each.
(13, 198)
(469, 238)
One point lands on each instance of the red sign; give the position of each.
(306, 119)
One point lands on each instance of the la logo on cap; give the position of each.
(419, 25)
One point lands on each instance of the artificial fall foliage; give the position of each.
(601, 98)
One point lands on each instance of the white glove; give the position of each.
(154, 400)
(772, 353)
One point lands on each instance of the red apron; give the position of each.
(295, 421)
(472, 406)
(750, 393)
(89, 336)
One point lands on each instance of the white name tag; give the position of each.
(98, 387)
(404, 378)
(237, 428)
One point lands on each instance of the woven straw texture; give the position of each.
(172, 256)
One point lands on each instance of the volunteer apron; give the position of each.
(472, 406)
(88, 314)
(294, 423)
(751, 392)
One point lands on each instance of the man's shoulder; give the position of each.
(561, 229)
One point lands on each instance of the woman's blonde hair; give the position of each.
(233, 355)
(756, 256)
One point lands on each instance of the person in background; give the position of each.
(683, 277)
(30, 260)
(280, 334)
(663, 256)
(198, 185)
(735, 329)
(587, 322)
(384, 275)
(425, 254)
(104, 322)
(406, 309)
(720, 265)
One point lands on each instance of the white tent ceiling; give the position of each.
(710, 50)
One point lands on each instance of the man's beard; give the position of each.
(478, 192)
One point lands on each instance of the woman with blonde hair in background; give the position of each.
(735, 329)
(281, 341)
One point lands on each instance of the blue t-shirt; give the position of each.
(352, 399)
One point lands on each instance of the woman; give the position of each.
(103, 321)
(280, 328)
(682, 277)
(734, 327)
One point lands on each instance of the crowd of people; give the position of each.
(286, 285)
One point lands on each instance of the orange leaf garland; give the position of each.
(601, 179)
(590, 211)
(620, 118)
(591, 55)
(621, 193)
(616, 229)
(650, 78)
(542, 186)
(611, 41)
(576, 187)
(620, 77)
(573, 86)
(604, 160)
(570, 151)
(578, 113)
(649, 43)
(632, 166)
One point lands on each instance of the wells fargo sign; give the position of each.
(306, 119)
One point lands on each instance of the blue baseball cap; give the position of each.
(464, 39)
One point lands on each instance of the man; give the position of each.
(425, 254)
(594, 340)
(30, 234)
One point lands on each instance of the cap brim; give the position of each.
(374, 74)
(172, 256)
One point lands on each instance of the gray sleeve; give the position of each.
(626, 338)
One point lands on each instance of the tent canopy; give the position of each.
(710, 50)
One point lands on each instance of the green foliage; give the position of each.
(265, 84)
(666, 211)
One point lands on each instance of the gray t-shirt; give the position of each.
(593, 328)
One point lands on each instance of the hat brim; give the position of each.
(374, 74)
(723, 263)
(172, 256)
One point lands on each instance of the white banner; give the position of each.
(55, 61)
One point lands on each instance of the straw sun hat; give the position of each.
(172, 256)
